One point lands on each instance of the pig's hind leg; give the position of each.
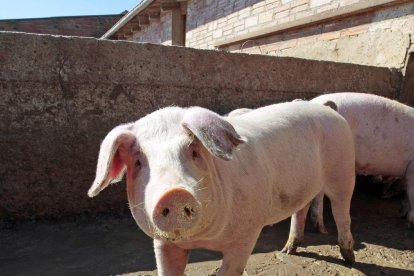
(297, 229)
(340, 203)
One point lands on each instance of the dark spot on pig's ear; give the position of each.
(195, 154)
(138, 163)
(332, 105)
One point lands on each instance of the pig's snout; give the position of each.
(176, 210)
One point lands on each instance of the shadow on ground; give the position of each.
(113, 244)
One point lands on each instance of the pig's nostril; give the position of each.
(165, 212)
(188, 211)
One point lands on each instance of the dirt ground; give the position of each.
(113, 245)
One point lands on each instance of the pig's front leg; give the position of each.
(171, 260)
(236, 254)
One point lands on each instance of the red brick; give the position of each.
(354, 30)
(330, 35)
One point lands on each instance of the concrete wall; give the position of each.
(61, 95)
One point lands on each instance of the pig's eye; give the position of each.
(195, 154)
(137, 163)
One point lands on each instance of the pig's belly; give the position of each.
(376, 156)
(287, 203)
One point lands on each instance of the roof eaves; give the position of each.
(60, 17)
(124, 20)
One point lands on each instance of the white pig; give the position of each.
(383, 131)
(196, 179)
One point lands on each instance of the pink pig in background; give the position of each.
(383, 131)
(199, 180)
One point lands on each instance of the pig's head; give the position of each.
(169, 157)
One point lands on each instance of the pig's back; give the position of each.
(292, 143)
(382, 128)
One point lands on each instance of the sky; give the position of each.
(16, 9)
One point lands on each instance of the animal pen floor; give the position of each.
(113, 245)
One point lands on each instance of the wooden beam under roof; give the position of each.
(154, 16)
(177, 27)
(152, 9)
(167, 5)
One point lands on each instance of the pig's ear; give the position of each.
(215, 133)
(111, 167)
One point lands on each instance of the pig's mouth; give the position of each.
(175, 236)
(181, 228)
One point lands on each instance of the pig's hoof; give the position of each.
(402, 213)
(320, 227)
(410, 218)
(348, 255)
(317, 226)
(291, 246)
(404, 208)
(410, 224)
(214, 272)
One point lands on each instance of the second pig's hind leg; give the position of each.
(316, 213)
(297, 228)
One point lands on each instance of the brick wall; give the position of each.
(90, 26)
(379, 38)
(156, 32)
(353, 31)
(211, 20)
(379, 35)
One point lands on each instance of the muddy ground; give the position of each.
(113, 245)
